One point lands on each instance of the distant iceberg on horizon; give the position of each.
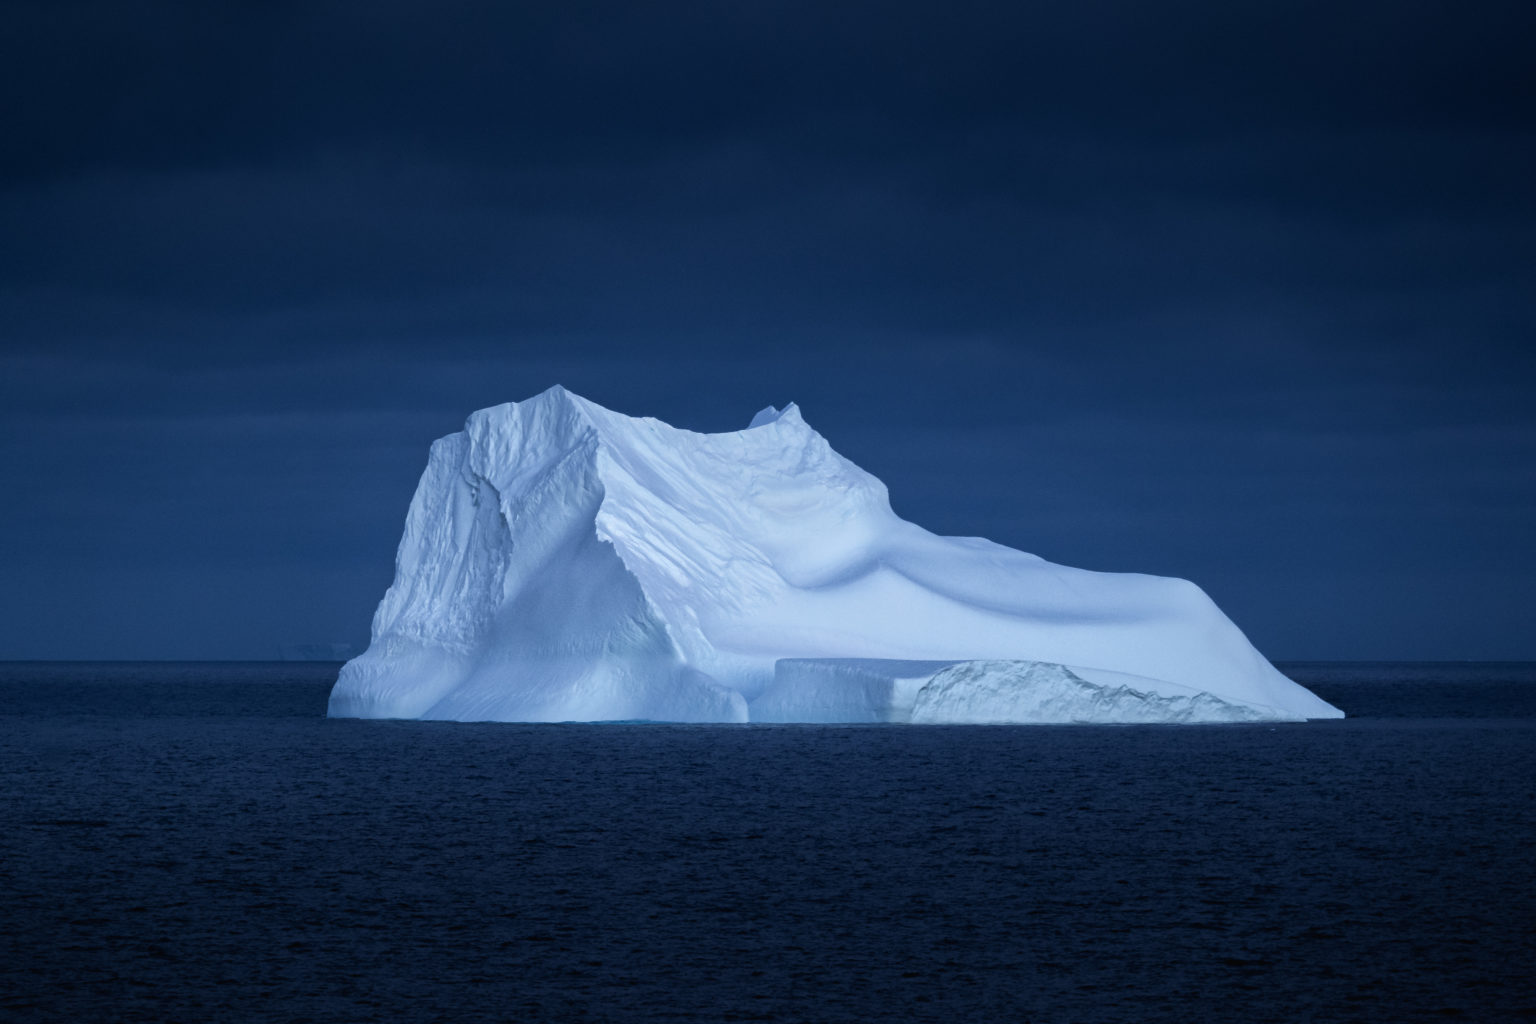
(563, 562)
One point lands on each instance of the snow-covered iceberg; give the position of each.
(562, 562)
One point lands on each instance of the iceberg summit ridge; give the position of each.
(563, 562)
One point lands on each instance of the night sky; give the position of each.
(1240, 292)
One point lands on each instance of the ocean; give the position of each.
(197, 842)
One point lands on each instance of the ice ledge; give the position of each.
(983, 693)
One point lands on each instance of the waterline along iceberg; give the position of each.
(562, 562)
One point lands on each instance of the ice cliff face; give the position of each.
(562, 562)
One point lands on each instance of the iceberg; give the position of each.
(563, 562)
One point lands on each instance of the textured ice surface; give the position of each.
(1037, 692)
(562, 562)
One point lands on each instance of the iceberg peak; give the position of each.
(561, 561)
(790, 413)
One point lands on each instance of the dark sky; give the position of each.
(1241, 292)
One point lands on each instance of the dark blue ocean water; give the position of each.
(197, 843)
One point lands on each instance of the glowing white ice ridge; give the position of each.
(562, 562)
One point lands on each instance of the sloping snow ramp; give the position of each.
(562, 562)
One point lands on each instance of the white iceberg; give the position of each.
(562, 562)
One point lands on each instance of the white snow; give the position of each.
(562, 562)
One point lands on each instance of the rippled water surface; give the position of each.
(196, 842)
